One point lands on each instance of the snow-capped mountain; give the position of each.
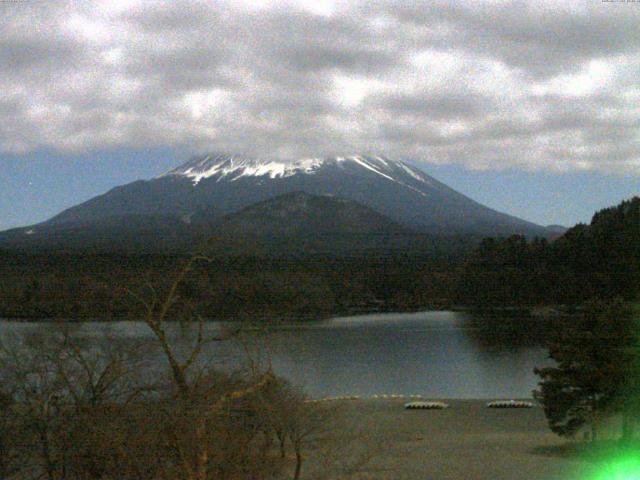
(232, 168)
(394, 188)
(213, 186)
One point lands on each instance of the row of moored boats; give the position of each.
(428, 405)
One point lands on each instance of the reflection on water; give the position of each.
(507, 332)
(436, 354)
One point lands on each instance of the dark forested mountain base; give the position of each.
(259, 279)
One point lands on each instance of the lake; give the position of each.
(435, 354)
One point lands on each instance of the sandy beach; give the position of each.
(465, 441)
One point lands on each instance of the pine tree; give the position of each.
(630, 395)
(596, 357)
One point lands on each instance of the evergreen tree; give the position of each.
(630, 396)
(596, 355)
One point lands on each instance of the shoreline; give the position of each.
(417, 397)
(534, 312)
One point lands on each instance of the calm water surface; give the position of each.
(436, 354)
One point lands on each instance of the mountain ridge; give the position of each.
(223, 184)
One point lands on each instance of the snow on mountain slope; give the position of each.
(233, 167)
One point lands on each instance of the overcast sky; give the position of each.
(543, 89)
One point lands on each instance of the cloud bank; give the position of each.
(489, 85)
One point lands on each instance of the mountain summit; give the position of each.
(394, 188)
(230, 168)
(208, 189)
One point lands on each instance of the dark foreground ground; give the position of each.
(466, 441)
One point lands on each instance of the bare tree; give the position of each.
(38, 389)
(305, 426)
(101, 371)
(88, 411)
(68, 390)
(102, 378)
(200, 402)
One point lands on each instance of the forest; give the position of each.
(599, 260)
(101, 286)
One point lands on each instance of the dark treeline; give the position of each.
(600, 260)
(101, 286)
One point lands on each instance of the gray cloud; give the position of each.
(541, 37)
(488, 85)
(436, 106)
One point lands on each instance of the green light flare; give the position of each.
(623, 468)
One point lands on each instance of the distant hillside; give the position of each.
(299, 224)
(303, 214)
(556, 229)
(119, 234)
